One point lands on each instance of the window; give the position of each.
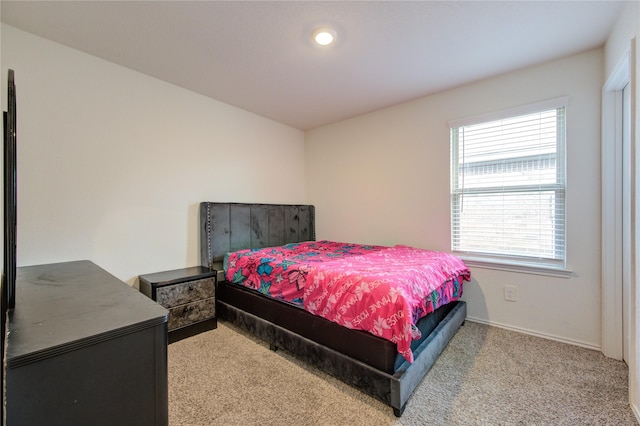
(508, 186)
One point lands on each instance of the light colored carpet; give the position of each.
(485, 376)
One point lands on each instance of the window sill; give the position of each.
(523, 268)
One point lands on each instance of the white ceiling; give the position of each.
(258, 56)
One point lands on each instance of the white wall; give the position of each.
(112, 163)
(625, 28)
(384, 178)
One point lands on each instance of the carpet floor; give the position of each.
(485, 376)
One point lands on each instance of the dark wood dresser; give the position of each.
(84, 348)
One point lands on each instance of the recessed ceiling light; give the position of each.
(323, 36)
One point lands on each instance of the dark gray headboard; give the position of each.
(226, 227)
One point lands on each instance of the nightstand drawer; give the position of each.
(190, 313)
(190, 296)
(174, 295)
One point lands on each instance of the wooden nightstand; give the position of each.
(190, 296)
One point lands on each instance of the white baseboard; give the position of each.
(537, 334)
(636, 413)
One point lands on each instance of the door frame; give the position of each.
(612, 198)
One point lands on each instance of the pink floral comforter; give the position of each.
(382, 290)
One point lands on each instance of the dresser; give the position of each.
(188, 294)
(84, 348)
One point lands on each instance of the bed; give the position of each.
(373, 364)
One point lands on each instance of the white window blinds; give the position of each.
(508, 185)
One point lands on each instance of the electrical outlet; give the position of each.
(510, 293)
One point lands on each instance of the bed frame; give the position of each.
(371, 364)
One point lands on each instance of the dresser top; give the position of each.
(69, 305)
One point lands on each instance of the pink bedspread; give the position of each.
(382, 290)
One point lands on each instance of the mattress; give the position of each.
(384, 291)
